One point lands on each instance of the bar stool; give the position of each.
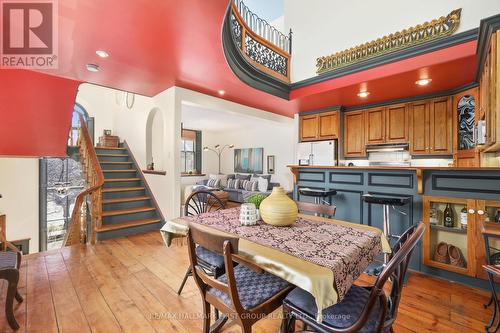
(386, 202)
(319, 196)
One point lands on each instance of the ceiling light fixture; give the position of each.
(423, 82)
(102, 54)
(221, 92)
(93, 68)
(363, 94)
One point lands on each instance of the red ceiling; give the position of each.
(155, 44)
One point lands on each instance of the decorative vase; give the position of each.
(278, 209)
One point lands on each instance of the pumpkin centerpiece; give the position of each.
(278, 209)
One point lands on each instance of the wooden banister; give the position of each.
(90, 200)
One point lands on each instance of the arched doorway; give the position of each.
(154, 139)
(78, 111)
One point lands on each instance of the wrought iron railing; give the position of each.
(262, 44)
(86, 217)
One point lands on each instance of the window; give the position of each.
(190, 151)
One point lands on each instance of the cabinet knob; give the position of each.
(480, 212)
(471, 211)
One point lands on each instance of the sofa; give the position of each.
(236, 195)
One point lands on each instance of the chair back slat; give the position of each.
(325, 210)
(202, 201)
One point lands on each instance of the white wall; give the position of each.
(323, 27)
(275, 139)
(19, 187)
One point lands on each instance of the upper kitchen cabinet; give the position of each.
(490, 95)
(396, 123)
(465, 115)
(431, 127)
(354, 134)
(375, 125)
(320, 126)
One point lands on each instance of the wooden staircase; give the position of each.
(128, 206)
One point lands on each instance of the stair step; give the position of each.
(131, 199)
(120, 170)
(122, 189)
(112, 162)
(110, 180)
(128, 224)
(112, 155)
(111, 148)
(127, 211)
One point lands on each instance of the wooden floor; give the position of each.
(128, 285)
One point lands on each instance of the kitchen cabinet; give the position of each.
(320, 126)
(431, 129)
(469, 241)
(466, 116)
(309, 127)
(375, 125)
(354, 134)
(490, 95)
(396, 123)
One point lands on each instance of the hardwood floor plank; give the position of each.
(99, 316)
(69, 312)
(129, 285)
(40, 312)
(125, 310)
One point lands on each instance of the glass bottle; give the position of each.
(449, 219)
(497, 216)
(463, 218)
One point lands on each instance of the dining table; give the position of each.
(319, 255)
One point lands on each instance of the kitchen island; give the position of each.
(477, 189)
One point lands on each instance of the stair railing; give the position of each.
(262, 45)
(87, 212)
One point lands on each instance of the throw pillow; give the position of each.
(242, 177)
(268, 177)
(214, 183)
(233, 183)
(223, 178)
(263, 184)
(250, 186)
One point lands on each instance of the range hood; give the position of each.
(386, 147)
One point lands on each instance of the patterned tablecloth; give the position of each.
(322, 256)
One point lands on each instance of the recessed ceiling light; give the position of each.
(102, 54)
(363, 94)
(92, 68)
(423, 82)
(221, 92)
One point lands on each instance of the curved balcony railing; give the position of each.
(260, 43)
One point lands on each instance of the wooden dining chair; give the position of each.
(321, 210)
(197, 203)
(244, 293)
(363, 309)
(10, 263)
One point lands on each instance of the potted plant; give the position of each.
(256, 199)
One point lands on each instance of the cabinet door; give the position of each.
(309, 128)
(465, 115)
(419, 128)
(328, 125)
(375, 125)
(440, 130)
(354, 134)
(396, 124)
(493, 88)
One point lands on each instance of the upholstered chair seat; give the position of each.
(254, 288)
(213, 259)
(340, 315)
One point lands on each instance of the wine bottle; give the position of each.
(449, 219)
(497, 216)
(463, 218)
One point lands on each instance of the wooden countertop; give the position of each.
(381, 167)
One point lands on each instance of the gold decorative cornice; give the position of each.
(443, 26)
